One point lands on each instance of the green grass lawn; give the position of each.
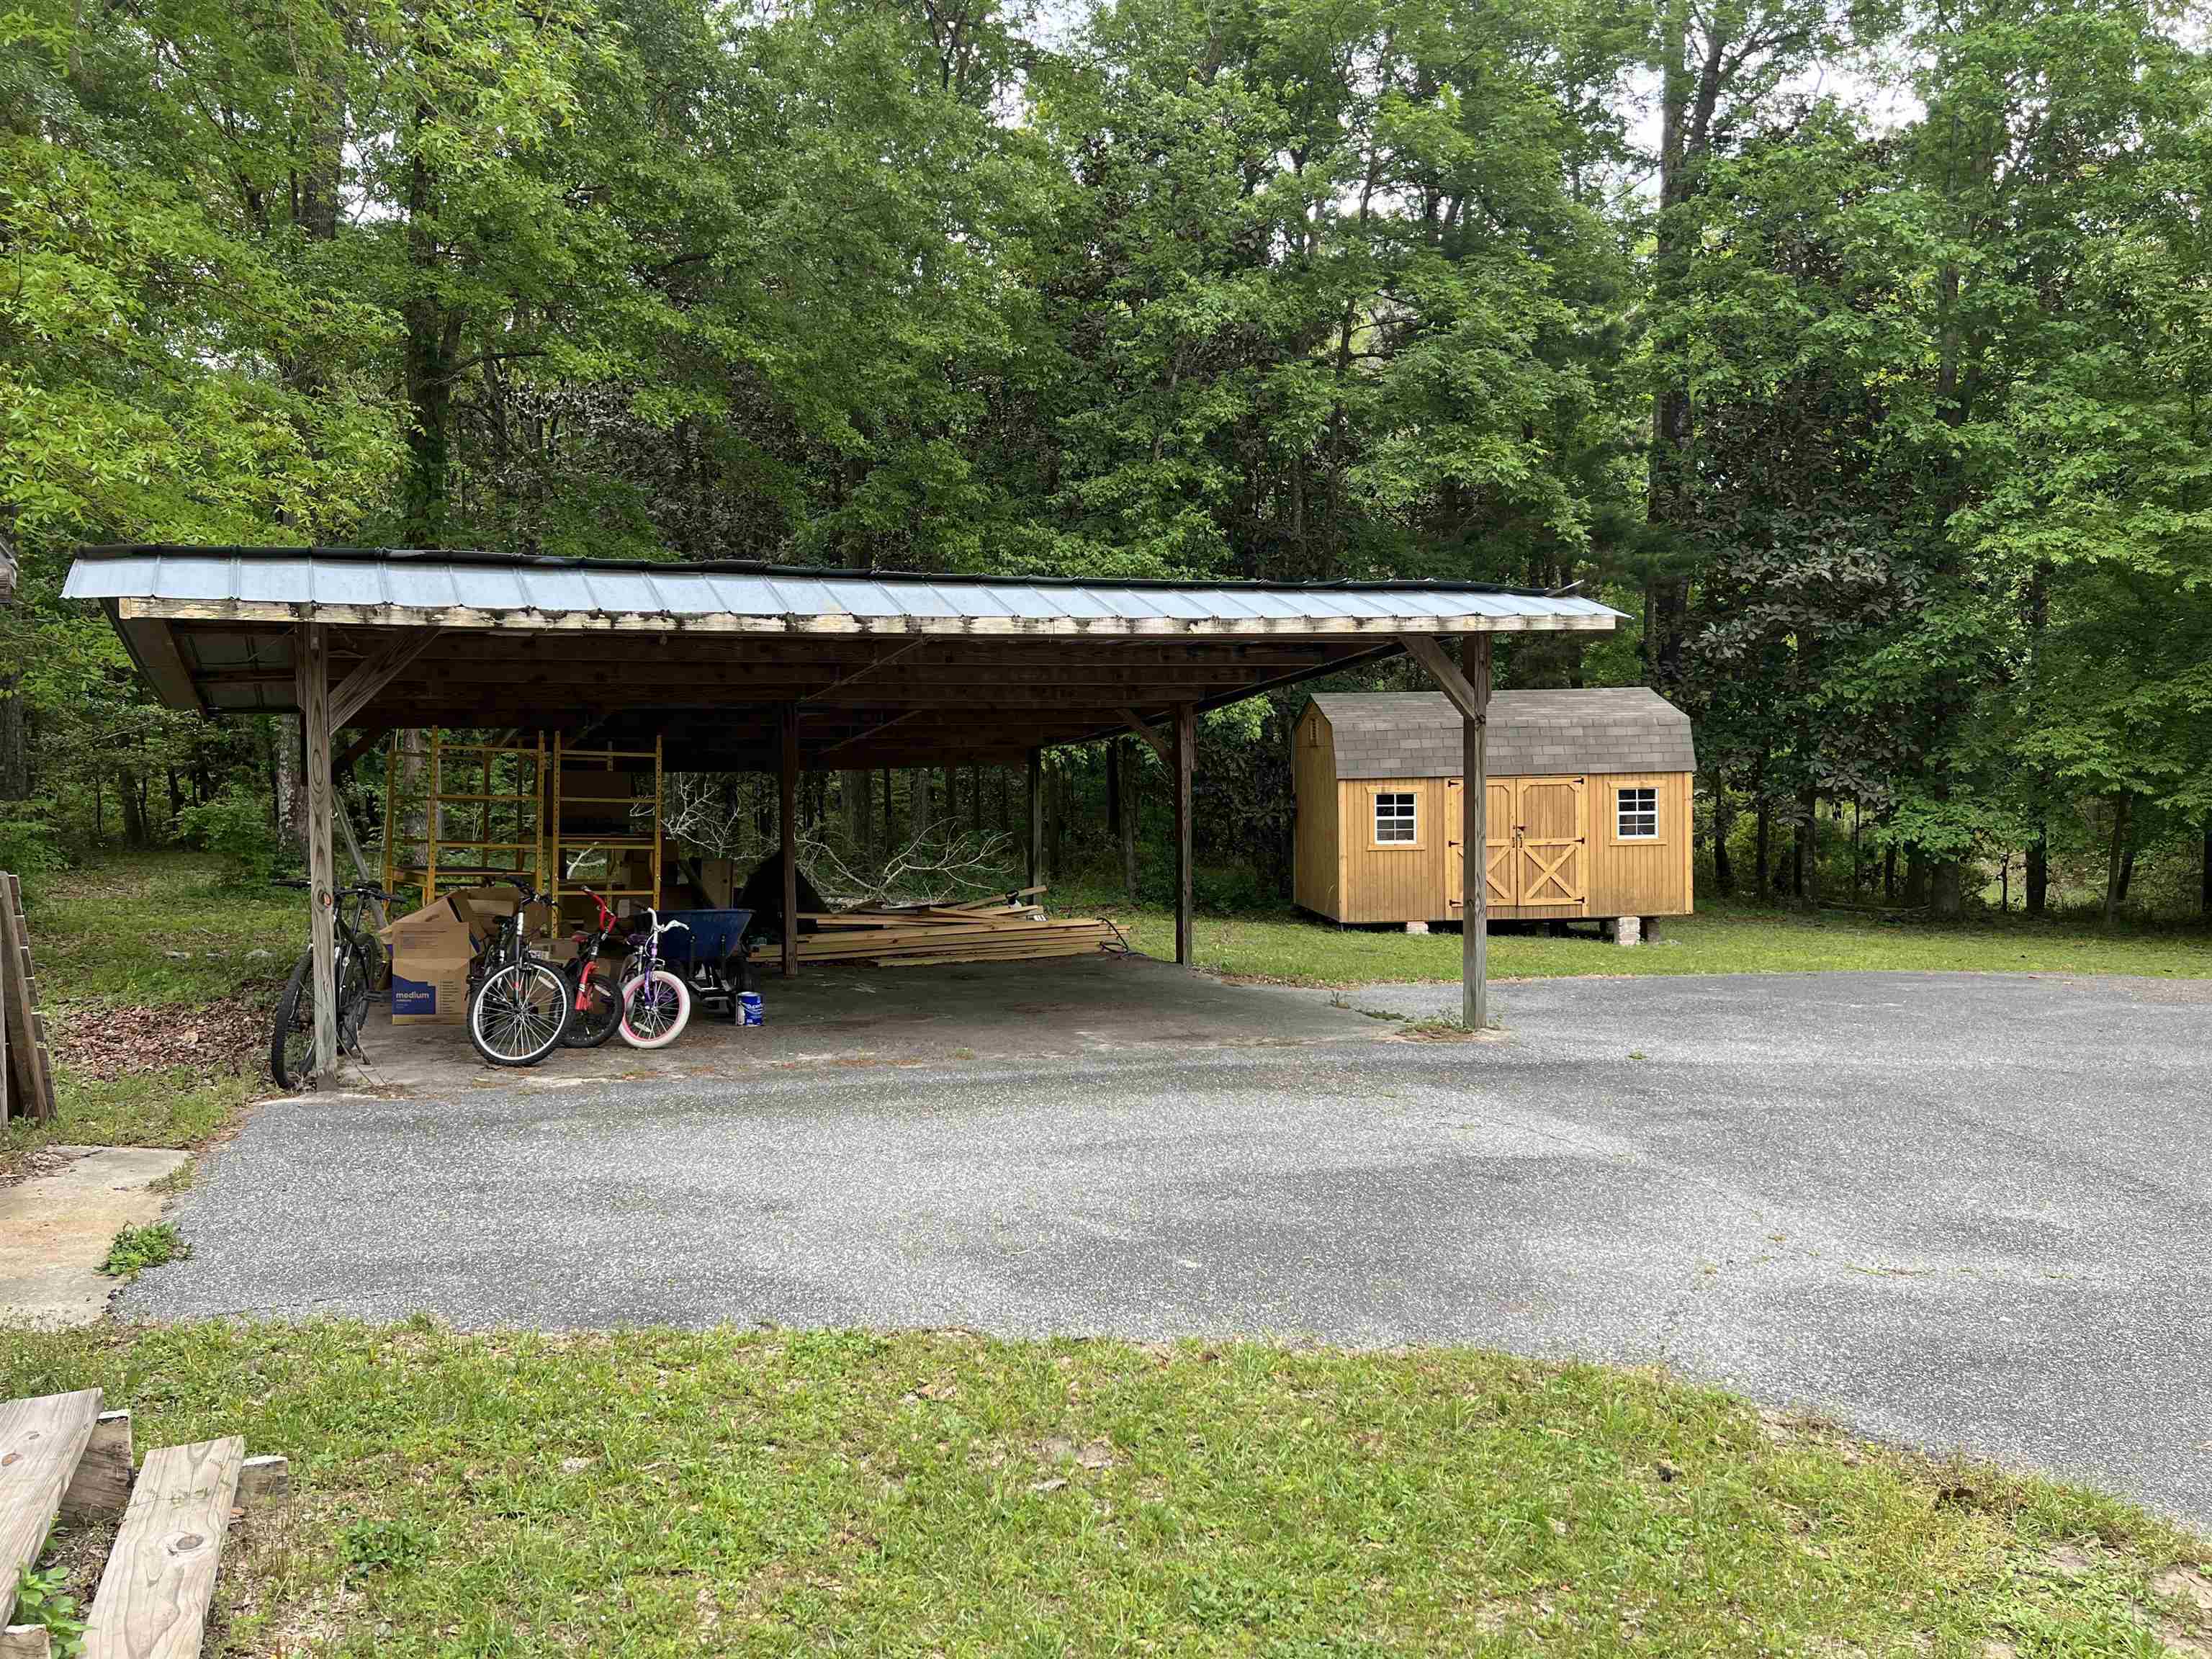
(761, 1492)
(1295, 949)
(161, 931)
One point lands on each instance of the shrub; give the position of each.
(235, 827)
(136, 1248)
(28, 844)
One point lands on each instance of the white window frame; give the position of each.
(1623, 812)
(1411, 820)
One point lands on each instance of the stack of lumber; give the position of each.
(1007, 929)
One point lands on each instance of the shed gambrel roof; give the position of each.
(1419, 734)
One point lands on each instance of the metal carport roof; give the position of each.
(886, 669)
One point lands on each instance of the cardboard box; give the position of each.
(430, 955)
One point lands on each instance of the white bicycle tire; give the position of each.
(675, 1028)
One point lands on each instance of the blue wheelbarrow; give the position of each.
(710, 951)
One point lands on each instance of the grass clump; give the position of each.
(136, 1248)
(659, 1493)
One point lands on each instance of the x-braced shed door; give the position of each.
(1500, 815)
(1549, 858)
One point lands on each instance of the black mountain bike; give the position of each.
(519, 1008)
(359, 959)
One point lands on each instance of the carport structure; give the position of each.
(772, 668)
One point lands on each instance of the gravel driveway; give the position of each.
(1954, 1210)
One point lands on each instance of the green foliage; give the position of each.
(42, 1602)
(1889, 412)
(234, 826)
(136, 1248)
(29, 846)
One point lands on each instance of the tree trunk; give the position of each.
(1133, 775)
(853, 792)
(2204, 872)
(433, 339)
(14, 741)
(2127, 874)
(2123, 813)
(1808, 843)
(1723, 823)
(2039, 874)
(1916, 876)
(1889, 875)
(1762, 848)
(976, 800)
(891, 816)
(1947, 889)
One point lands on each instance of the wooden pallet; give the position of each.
(1007, 929)
(27, 1066)
(61, 1454)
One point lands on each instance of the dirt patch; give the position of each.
(220, 1039)
(2185, 1585)
(32, 1161)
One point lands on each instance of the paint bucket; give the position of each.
(749, 1010)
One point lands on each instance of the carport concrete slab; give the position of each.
(1059, 1008)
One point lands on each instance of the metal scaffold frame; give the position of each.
(561, 845)
(522, 859)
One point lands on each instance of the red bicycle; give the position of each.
(594, 997)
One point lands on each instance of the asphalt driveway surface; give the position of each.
(1959, 1211)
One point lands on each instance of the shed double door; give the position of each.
(1538, 851)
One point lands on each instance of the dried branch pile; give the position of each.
(1008, 929)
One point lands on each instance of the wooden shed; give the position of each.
(1588, 806)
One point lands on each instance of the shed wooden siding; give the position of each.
(1412, 884)
(1317, 871)
(1396, 883)
(1640, 877)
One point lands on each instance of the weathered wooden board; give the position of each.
(101, 1484)
(154, 1598)
(25, 1642)
(40, 1440)
(28, 1079)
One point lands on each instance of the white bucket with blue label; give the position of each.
(750, 1009)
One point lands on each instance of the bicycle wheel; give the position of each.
(518, 1014)
(292, 1031)
(595, 1019)
(653, 1010)
(354, 976)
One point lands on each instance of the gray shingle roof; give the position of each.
(1417, 734)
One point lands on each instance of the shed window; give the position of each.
(1639, 818)
(1394, 818)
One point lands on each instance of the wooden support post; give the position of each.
(787, 809)
(312, 646)
(1474, 850)
(1186, 756)
(1470, 694)
(1037, 871)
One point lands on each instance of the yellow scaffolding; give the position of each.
(640, 831)
(513, 851)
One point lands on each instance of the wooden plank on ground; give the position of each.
(101, 1484)
(154, 1598)
(25, 1642)
(40, 1440)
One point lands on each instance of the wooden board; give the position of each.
(25, 1642)
(101, 1484)
(28, 1082)
(154, 1598)
(40, 1440)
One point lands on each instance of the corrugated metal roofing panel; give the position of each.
(360, 580)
